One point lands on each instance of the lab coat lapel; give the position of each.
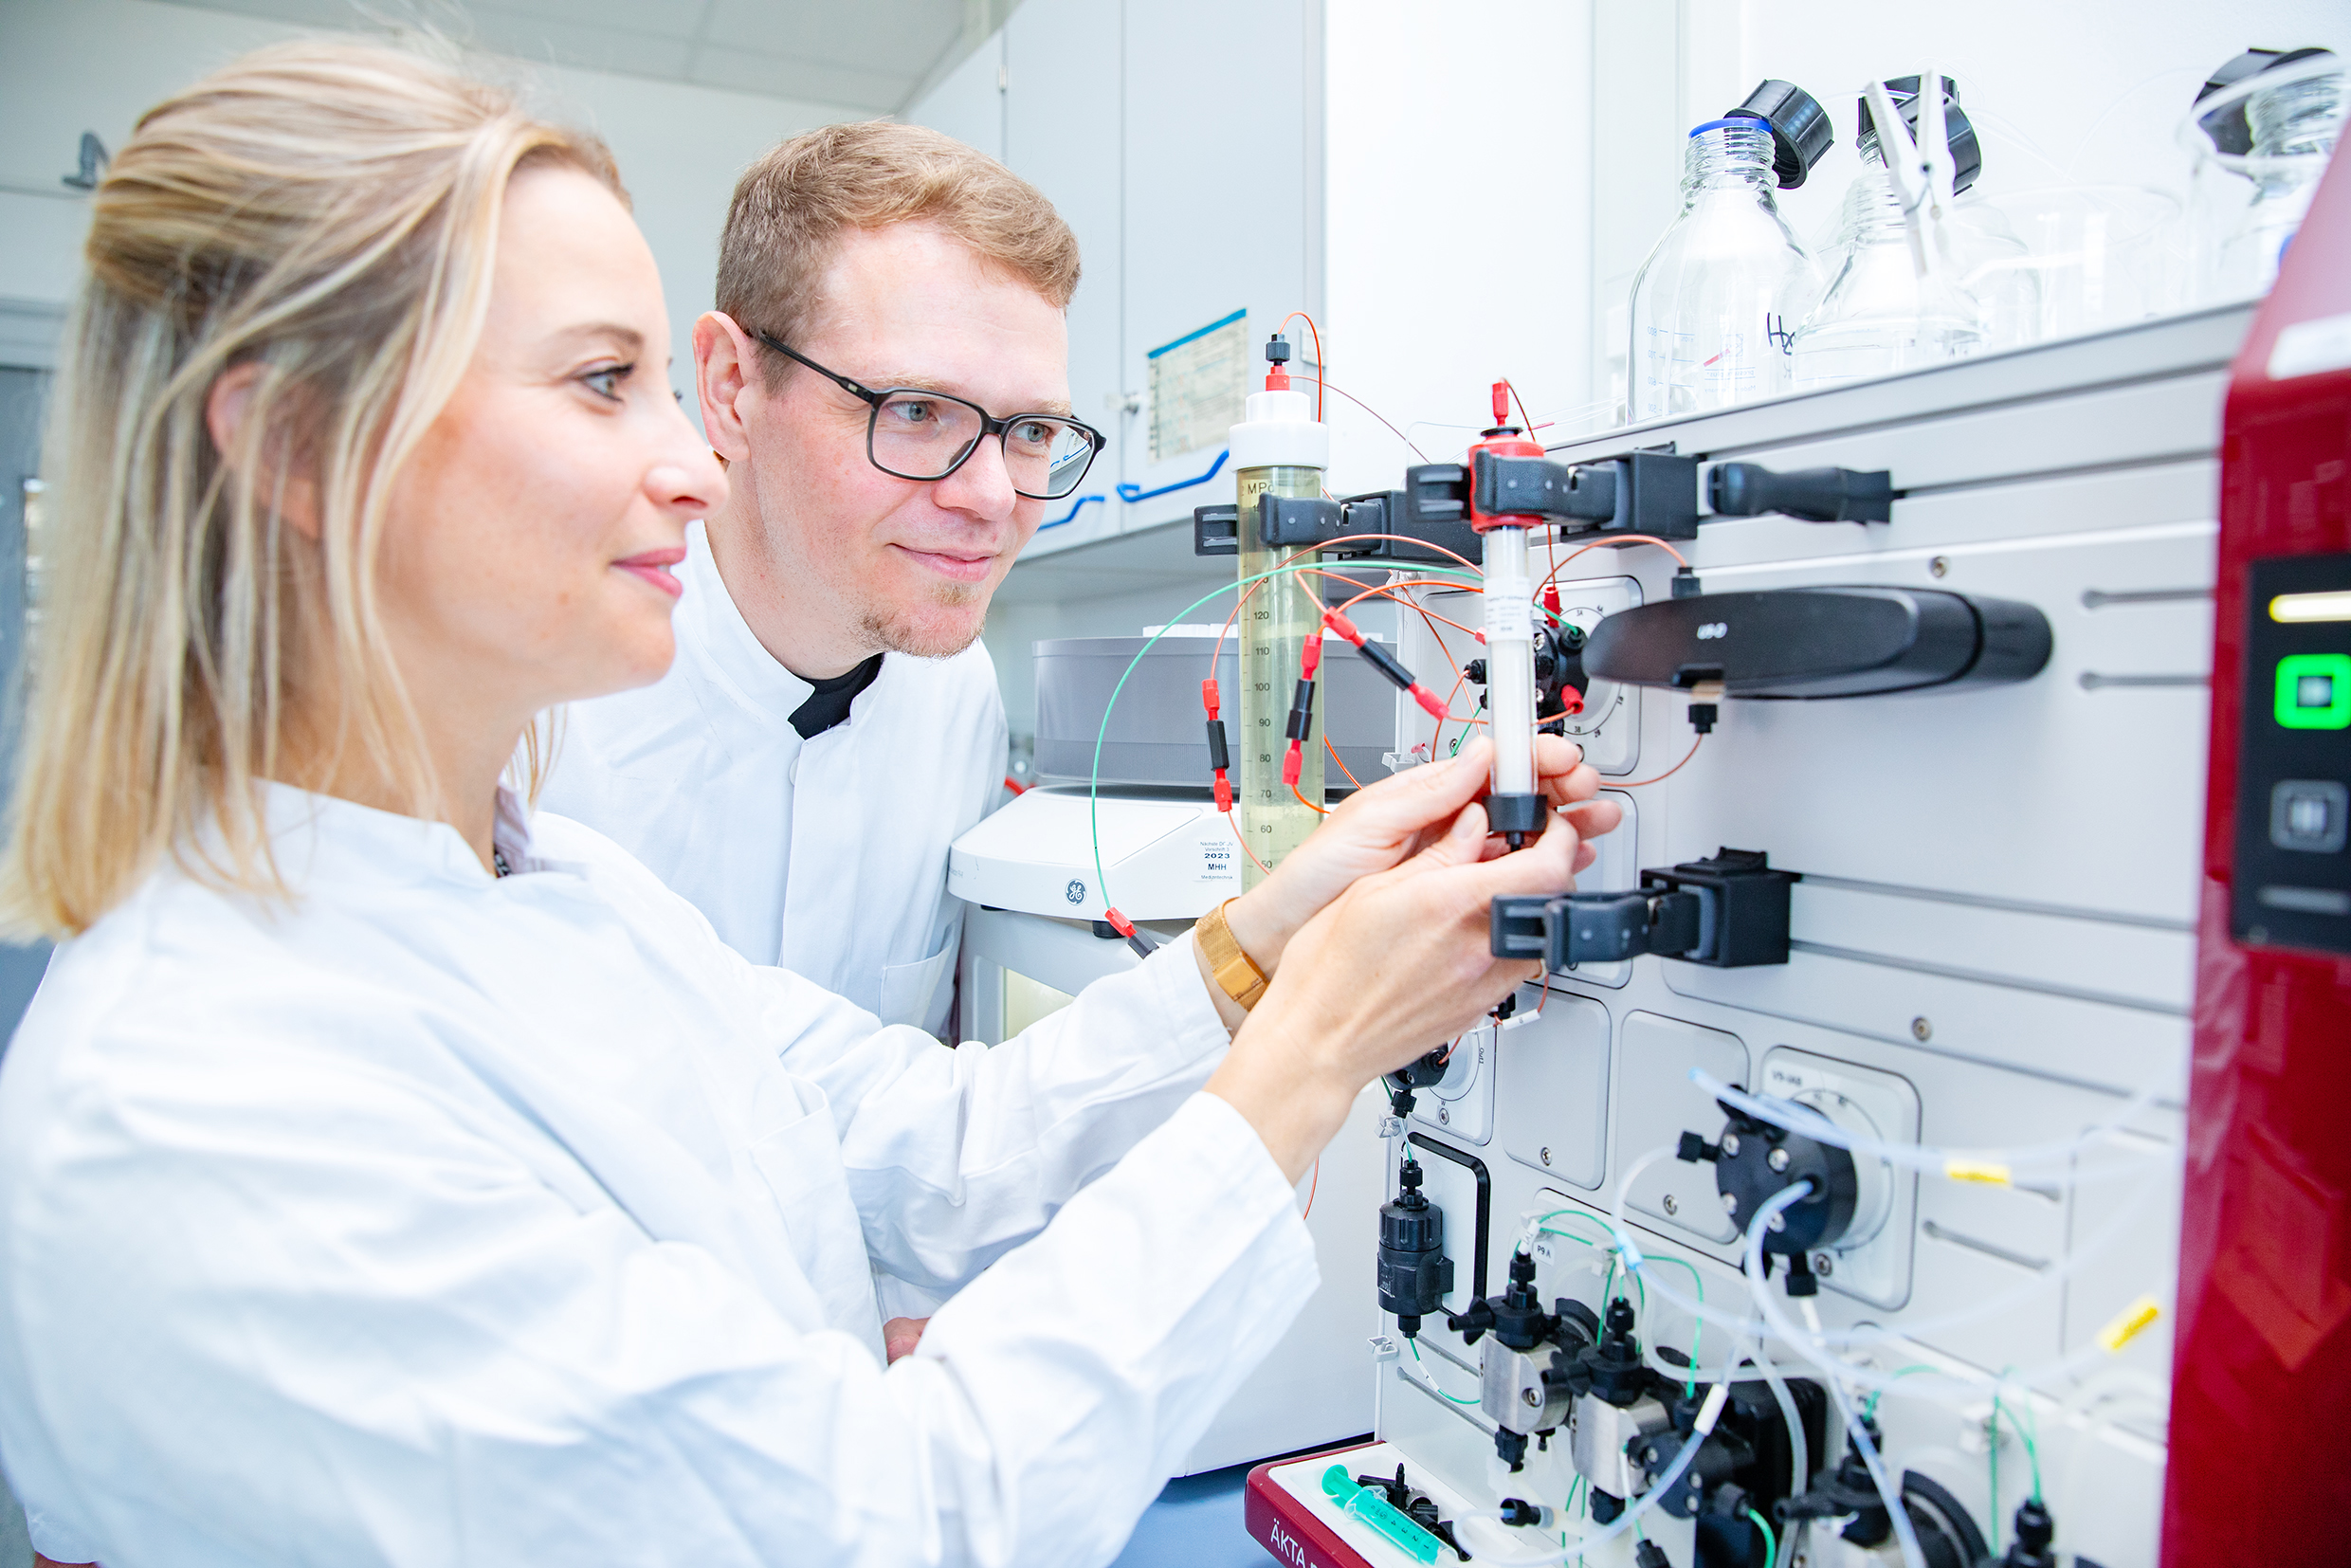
(825, 907)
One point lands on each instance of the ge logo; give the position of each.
(1714, 629)
(1075, 892)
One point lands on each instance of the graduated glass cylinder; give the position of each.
(1274, 625)
(1880, 314)
(1714, 302)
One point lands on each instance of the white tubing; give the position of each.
(1961, 1380)
(1708, 1413)
(1798, 1448)
(1759, 1289)
(1909, 1330)
(1919, 1157)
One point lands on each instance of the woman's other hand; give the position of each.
(1380, 827)
(1395, 963)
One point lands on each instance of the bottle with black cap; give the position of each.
(2273, 119)
(1993, 261)
(1880, 314)
(1713, 304)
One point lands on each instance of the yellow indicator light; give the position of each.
(1983, 1170)
(2129, 1325)
(2298, 609)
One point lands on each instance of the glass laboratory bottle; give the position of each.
(1987, 257)
(1279, 449)
(1713, 304)
(2295, 126)
(1880, 314)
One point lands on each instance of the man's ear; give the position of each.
(227, 409)
(725, 368)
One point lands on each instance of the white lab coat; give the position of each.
(447, 1219)
(827, 856)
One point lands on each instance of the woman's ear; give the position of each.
(227, 408)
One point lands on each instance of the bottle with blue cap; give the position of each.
(1715, 301)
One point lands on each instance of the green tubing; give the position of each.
(1433, 1382)
(1093, 784)
(1377, 1515)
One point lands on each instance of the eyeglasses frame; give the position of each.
(989, 424)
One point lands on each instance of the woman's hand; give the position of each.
(1384, 825)
(1396, 963)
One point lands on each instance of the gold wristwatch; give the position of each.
(1235, 972)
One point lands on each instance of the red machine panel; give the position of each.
(2262, 1380)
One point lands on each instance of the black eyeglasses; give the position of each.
(925, 435)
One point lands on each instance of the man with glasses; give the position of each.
(886, 378)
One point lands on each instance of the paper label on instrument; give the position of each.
(1220, 860)
(1509, 613)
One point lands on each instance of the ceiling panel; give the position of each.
(570, 43)
(868, 92)
(661, 18)
(904, 37)
(867, 56)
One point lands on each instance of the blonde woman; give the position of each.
(388, 1176)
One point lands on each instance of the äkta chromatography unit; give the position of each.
(1926, 1146)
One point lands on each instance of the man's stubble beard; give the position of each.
(898, 629)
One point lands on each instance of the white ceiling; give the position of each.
(872, 55)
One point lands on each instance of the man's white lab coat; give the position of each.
(440, 1218)
(827, 856)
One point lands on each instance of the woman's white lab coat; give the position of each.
(446, 1219)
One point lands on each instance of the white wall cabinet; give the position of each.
(1183, 146)
(1065, 75)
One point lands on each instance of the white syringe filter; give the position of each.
(1279, 429)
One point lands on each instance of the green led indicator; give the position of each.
(2314, 691)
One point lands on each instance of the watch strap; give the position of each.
(1236, 972)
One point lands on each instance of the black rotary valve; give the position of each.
(1755, 1160)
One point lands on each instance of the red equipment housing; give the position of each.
(2261, 1390)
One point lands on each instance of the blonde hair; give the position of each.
(328, 213)
(791, 209)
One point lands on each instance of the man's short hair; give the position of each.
(791, 209)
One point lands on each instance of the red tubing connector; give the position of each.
(1503, 439)
(1223, 792)
(1428, 700)
(1208, 695)
(1309, 657)
(1292, 760)
(1344, 627)
(1119, 922)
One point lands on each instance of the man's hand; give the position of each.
(1382, 826)
(901, 1335)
